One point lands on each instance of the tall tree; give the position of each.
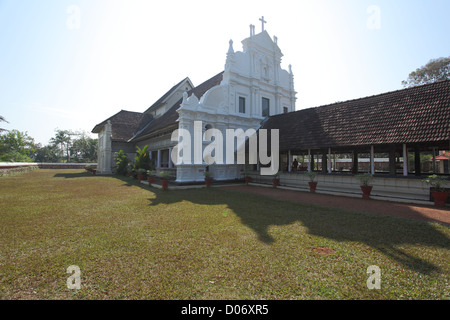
(434, 70)
(84, 149)
(49, 153)
(62, 140)
(16, 146)
(2, 119)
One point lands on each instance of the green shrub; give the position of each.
(143, 160)
(437, 182)
(122, 162)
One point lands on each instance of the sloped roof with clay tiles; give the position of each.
(124, 124)
(171, 116)
(166, 95)
(414, 115)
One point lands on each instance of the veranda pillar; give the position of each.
(355, 162)
(372, 160)
(405, 160)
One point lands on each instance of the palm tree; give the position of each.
(62, 139)
(4, 120)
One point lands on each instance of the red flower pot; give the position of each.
(312, 186)
(247, 180)
(366, 191)
(150, 180)
(208, 182)
(165, 184)
(275, 182)
(140, 177)
(439, 198)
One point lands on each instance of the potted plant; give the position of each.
(247, 178)
(312, 184)
(365, 178)
(164, 179)
(438, 192)
(276, 180)
(150, 174)
(208, 178)
(130, 170)
(141, 173)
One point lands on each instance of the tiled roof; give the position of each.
(171, 116)
(168, 93)
(414, 115)
(124, 124)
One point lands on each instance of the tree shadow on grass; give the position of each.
(72, 175)
(383, 233)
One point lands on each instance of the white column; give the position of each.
(405, 160)
(158, 160)
(329, 160)
(107, 160)
(372, 160)
(170, 159)
(289, 161)
(309, 160)
(334, 160)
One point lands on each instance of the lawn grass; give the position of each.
(132, 241)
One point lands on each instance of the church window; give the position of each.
(241, 105)
(265, 107)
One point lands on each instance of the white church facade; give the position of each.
(252, 87)
(253, 92)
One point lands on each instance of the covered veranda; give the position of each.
(399, 137)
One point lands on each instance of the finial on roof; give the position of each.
(262, 22)
(252, 30)
(230, 48)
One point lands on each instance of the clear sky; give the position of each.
(72, 64)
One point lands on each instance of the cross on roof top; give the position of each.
(262, 22)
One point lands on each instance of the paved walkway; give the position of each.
(414, 211)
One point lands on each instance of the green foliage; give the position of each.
(142, 159)
(62, 140)
(2, 119)
(207, 174)
(16, 146)
(141, 171)
(122, 162)
(165, 175)
(311, 175)
(364, 178)
(434, 70)
(437, 182)
(49, 153)
(84, 149)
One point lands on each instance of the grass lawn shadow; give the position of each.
(386, 234)
(72, 175)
